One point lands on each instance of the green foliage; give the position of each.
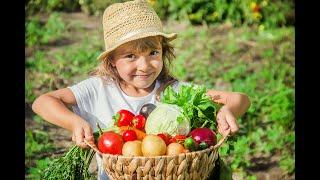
(29, 95)
(261, 66)
(37, 171)
(33, 7)
(74, 164)
(49, 73)
(195, 105)
(36, 142)
(287, 162)
(96, 7)
(239, 12)
(38, 33)
(238, 148)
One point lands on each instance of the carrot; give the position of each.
(140, 134)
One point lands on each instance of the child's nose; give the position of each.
(142, 63)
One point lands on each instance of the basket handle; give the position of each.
(222, 140)
(93, 146)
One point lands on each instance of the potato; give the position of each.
(132, 148)
(174, 149)
(153, 145)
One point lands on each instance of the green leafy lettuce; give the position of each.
(195, 104)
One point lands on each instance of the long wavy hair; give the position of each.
(109, 73)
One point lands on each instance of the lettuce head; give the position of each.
(167, 118)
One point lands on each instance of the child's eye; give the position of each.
(154, 53)
(130, 56)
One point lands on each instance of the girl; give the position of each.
(133, 71)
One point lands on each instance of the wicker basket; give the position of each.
(195, 165)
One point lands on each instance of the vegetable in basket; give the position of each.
(123, 118)
(195, 107)
(204, 135)
(110, 142)
(190, 143)
(175, 149)
(132, 148)
(167, 118)
(166, 137)
(146, 109)
(139, 121)
(178, 139)
(140, 134)
(153, 145)
(194, 104)
(129, 135)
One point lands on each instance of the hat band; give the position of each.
(139, 31)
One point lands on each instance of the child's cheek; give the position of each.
(158, 64)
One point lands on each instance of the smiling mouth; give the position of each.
(143, 75)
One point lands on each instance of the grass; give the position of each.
(38, 33)
(245, 59)
(37, 147)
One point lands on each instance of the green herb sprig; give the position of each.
(74, 164)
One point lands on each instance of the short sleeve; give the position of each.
(85, 93)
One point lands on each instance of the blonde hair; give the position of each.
(105, 68)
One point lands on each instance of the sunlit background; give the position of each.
(233, 45)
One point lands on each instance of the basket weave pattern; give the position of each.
(187, 166)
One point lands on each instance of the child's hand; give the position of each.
(226, 121)
(82, 130)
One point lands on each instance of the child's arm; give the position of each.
(52, 107)
(234, 105)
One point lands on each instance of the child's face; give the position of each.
(139, 69)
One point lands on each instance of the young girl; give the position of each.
(133, 71)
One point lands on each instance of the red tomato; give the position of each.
(110, 142)
(123, 118)
(129, 135)
(178, 139)
(139, 121)
(166, 137)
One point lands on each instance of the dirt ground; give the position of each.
(267, 169)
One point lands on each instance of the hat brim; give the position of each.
(170, 37)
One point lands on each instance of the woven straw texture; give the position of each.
(187, 166)
(124, 22)
(196, 165)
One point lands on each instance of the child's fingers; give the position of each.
(79, 135)
(223, 127)
(231, 120)
(222, 122)
(88, 134)
(224, 132)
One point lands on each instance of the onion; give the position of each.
(204, 135)
(153, 145)
(175, 149)
(132, 148)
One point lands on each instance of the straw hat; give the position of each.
(124, 22)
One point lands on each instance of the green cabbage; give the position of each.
(167, 118)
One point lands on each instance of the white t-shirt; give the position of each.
(98, 101)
